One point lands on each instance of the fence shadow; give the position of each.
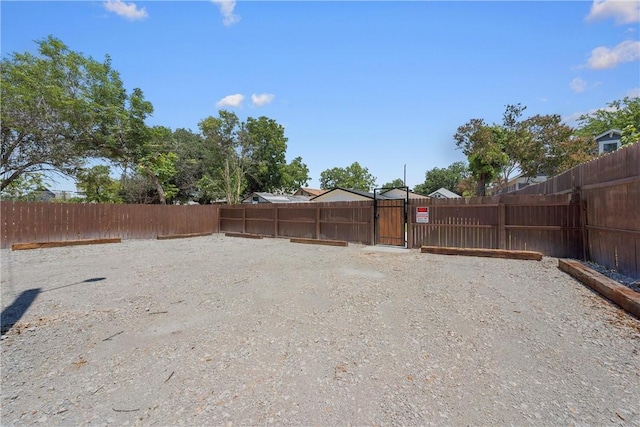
(17, 309)
(93, 279)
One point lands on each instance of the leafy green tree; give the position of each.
(398, 182)
(552, 147)
(294, 175)
(232, 148)
(512, 136)
(268, 155)
(193, 160)
(354, 177)
(58, 108)
(98, 186)
(621, 114)
(23, 188)
(137, 188)
(482, 145)
(449, 178)
(156, 160)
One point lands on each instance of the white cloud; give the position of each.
(578, 85)
(262, 100)
(634, 93)
(129, 11)
(226, 9)
(231, 101)
(624, 11)
(603, 57)
(572, 119)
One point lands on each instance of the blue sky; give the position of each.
(382, 83)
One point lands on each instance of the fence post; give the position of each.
(502, 234)
(409, 209)
(583, 226)
(318, 222)
(276, 222)
(244, 219)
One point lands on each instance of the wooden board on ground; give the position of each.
(320, 242)
(245, 235)
(491, 253)
(625, 297)
(182, 236)
(39, 245)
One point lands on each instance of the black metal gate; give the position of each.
(390, 210)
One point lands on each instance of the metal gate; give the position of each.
(390, 219)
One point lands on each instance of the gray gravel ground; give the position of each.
(223, 331)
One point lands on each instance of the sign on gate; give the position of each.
(422, 214)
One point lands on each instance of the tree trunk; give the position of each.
(159, 189)
(482, 184)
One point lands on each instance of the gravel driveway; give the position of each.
(222, 331)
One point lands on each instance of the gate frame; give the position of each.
(405, 227)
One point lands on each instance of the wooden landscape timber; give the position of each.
(626, 298)
(182, 236)
(320, 242)
(491, 253)
(245, 235)
(40, 245)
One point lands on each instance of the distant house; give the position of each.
(309, 192)
(609, 141)
(43, 194)
(518, 182)
(443, 193)
(340, 194)
(399, 193)
(259, 197)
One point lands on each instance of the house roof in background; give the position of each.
(313, 191)
(446, 193)
(278, 198)
(609, 133)
(412, 195)
(351, 190)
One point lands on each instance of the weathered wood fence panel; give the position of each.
(350, 221)
(547, 224)
(609, 188)
(24, 222)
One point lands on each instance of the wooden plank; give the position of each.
(245, 235)
(182, 236)
(625, 297)
(39, 245)
(492, 253)
(320, 242)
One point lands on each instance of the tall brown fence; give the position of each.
(46, 222)
(548, 224)
(609, 188)
(350, 221)
(589, 212)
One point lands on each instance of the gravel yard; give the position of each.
(222, 331)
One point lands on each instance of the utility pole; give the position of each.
(404, 181)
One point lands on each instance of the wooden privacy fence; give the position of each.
(547, 224)
(47, 222)
(609, 188)
(350, 221)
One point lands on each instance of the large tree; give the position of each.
(552, 147)
(268, 156)
(354, 177)
(58, 108)
(449, 178)
(482, 145)
(294, 175)
(231, 150)
(98, 186)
